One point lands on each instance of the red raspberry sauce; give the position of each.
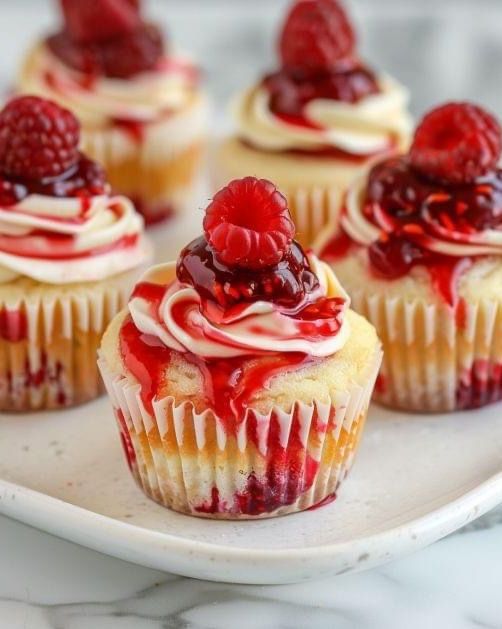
(410, 203)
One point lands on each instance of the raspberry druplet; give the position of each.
(89, 21)
(248, 224)
(456, 144)
(38, 139)
(317, 35)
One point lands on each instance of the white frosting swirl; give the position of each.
(143, 98)
(374, 124)
(184, 323)
(61, 241)
(437, 239)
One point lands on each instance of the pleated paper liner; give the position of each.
(273, 464)
(49, 337)
(434, 362)
(157, 165)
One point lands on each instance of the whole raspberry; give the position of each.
(317, 35)
(90, 21)
(130, 54)
(38, 139)
(456, 143)
(248, 224)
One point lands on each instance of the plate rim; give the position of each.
(221, 562)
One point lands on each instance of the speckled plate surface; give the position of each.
(416, 479)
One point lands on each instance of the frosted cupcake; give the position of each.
(142, 111)
(239, 377)
(69, 256)
(421, 257)
(314, 124)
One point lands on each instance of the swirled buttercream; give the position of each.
(66, 240)
(375, 124)
(143, 98)
(185, 322)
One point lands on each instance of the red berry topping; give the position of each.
(394, 256)
(133, 53)
(98, 20)
(317, 35)
(456, 144)
(121, 57)
(249, 225)
(38, 139)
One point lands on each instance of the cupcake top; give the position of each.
(323, 99)
(107, 63)
(439, 207)
(243, 303)
(58, 222)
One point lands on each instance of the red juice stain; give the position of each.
(135, 129)
(337, 247)
(480, 385)
(323, 503)
(13, 325)
(125, 438)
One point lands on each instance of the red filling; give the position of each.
(291, 90)
(285, 284)
(84, 180)
(414, 209)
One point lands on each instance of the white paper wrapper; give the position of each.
(49, 340)
(435, 360)
(276, 464)
(158, 169)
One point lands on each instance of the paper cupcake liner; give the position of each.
(434, 360)
(49, 340)
(273, 464)
(156, 165)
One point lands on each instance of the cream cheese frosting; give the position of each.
(62, 241)
(185, 323)
(437, 239)
(143, 98)
(375, 124)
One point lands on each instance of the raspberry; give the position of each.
(317, 35)
(456, 143)
(89, 21)
(248, 224)
(133, 53)
(38, 139)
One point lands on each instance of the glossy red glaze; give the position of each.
(292, 90)
(414, 210)
(286, 283)
(85, 180)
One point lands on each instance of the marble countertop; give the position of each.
(47, 583)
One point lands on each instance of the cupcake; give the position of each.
(420, 254)
(239, 376)
(313, 125)
(69, 255)
(142, 111)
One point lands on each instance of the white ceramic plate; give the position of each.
(416, 479)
